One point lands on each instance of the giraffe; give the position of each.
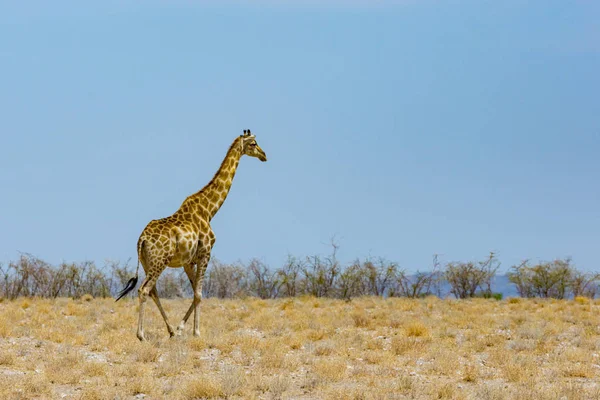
(186, 238)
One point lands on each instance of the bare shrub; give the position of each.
(585, 284)
(420, 284)
(289, 276)
(379, 276)
(262, 282)
(521, 277)
(31, 276)
(225, 281)
(119, 274)
(350, 282)
(174, 283)
(320, 274)
(85, 278)
(466, 278)
(556, 279)
(368, 278)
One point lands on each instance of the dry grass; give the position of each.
(303, 348)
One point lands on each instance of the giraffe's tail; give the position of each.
(133, 281)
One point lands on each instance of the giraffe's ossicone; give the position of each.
(185, 239)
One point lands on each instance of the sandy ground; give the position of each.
(303, 348)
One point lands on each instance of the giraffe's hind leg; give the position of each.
(146, 289)
(154, 295)
(142, 294)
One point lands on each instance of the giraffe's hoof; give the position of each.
(196, 333)
(171, 331)
(174, 333)
(141, 337)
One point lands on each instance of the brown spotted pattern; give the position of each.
(185, 239)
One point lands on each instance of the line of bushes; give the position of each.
(315, 275)
(557, 279)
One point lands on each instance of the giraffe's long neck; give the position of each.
(213, 195)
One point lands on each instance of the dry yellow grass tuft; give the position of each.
(303, 348)
(87, 297)
(205, 387)
(416, 329)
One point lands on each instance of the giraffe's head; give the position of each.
(250, 147)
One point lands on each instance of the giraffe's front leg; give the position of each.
(200, 269)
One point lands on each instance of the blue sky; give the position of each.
(404, 128)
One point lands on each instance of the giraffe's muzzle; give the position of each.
(262, 156)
